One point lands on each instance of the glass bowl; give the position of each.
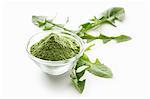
(55, 67)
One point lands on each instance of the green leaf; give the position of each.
(88, 37)
(118, 39)
(47, 27)
(82, 68)
(112, 14)
(86, 26)
(109, 16)
(89, 47)
(84, 57)
(100, 70)
(42, 22)
(105, 39)
(97, 61)
(76, 73)
(110, 22)
(79, 85)
(84, 64)
(46, 24)
(95, 20)
(38, 20)
(96, 68)
(122, 38)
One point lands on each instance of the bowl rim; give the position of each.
(76, 37)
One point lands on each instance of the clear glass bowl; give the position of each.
(55, 67)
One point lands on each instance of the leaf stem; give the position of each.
(99, 23)
(57, 25)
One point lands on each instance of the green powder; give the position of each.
(55, 47)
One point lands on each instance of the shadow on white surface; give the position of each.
(57, 79)
(60, 84)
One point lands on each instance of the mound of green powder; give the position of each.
(55, 47)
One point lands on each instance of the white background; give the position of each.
(129, 61)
